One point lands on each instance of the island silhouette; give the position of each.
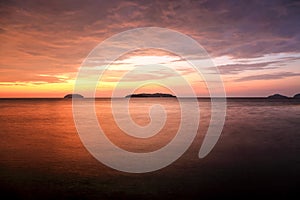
(149, 95)
(296, 96)
(145, 95)
(70, 96)
(280, 96)
(277, 96)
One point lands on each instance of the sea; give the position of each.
(42, 155)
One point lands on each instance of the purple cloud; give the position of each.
(238, 68)
(280, 75)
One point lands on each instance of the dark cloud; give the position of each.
(254, 28)
(238, 68)
(280, 75)
(25, 77)
(13, 84)
(240, 29)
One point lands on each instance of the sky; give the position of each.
(254, 44)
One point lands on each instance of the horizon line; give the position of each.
(123, 97)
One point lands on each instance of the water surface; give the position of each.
(41, 155)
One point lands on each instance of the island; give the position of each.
(296, 96)
(149, 95)
(277, 96)
(71, 96)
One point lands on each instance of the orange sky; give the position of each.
(42, 45)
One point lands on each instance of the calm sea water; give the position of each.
(41, 155)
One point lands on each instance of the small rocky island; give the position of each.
(71, 96)
(296, 96)
(143, 95)
(277, 96)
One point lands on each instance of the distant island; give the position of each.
(297, 96)
(279, 96)
(145, 95)
(150, 95)
(71, 96)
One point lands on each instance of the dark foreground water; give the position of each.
(42, 157)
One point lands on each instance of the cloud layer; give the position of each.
(54, 37)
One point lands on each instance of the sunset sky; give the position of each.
(254, 44)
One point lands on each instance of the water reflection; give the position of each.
(41, 153)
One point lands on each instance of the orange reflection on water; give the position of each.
(139, 111)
